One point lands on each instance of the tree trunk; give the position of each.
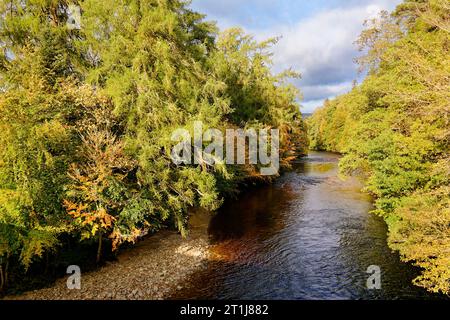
(2, 281)
(99, 249)
(4, 275)
(46, 263)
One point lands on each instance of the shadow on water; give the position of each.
(308, 236)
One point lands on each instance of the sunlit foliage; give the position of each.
(394, 130)
(87, 114)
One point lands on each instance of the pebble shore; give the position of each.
(152, 270)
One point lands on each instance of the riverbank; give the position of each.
(152, 270)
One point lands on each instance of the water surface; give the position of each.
(308, 236)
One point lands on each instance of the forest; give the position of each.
(87, 115)
(394, 132)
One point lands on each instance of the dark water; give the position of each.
(308, 236)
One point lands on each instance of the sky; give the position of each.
(317, 37)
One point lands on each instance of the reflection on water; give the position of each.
(308, 236)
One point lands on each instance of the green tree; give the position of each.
(394, 132)
(40, 100)
(87, 117)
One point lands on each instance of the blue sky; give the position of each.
(317, 37)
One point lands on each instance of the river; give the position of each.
(310, 235)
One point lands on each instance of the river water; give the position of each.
(308, 236)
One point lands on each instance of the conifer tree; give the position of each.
(88, 113)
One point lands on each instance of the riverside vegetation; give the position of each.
(87, 115)
(394, 131)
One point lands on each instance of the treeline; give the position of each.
(87, 112)
(394, 131)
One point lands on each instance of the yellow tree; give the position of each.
(102, 167)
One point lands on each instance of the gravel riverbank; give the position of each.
(152, 270)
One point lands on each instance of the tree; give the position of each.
(87, 117)
(394, 131)
(98, 195)
(39, 99)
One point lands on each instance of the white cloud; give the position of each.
(320, 46)
(310, 106)
(319, 93)
(316, 92)
(322, 49)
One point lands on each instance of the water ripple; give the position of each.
(308, 236)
